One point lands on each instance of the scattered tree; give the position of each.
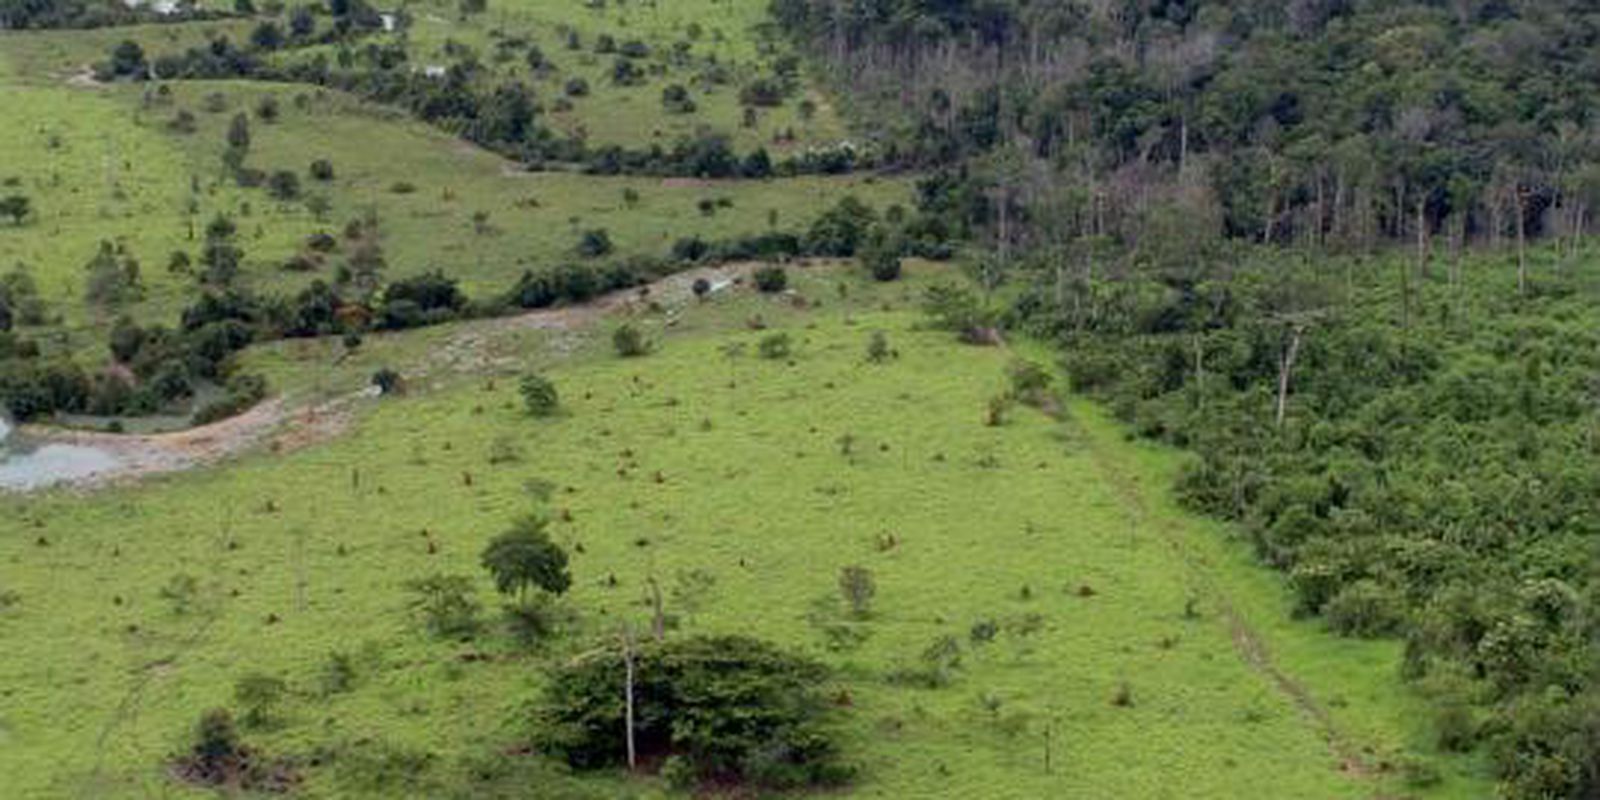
(15, 206)
(539, 395)
(259, 695)
(446, 604)
(775, 346)
(760, 714)
(629, 341)
(771, 279)
(524, 560)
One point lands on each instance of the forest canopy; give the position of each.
(1322, 121)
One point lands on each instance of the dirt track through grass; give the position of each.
(1251, 647)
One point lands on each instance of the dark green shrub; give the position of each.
(283, 185)
(219, 758)
(539, 395)
(771, 279)
(259, 695)
(878, 350)
(243, 391)
(857, 586)
(762, 92)
(1364, 608)
(727, 707)
(775, 346)
(445, 603)
(595, 243)
(676, 100)
(1030, 382)
(629, 341)
(882, 260)
(388, 381)
(338, 674)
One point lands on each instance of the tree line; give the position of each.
(1332, 124)
(159, 368)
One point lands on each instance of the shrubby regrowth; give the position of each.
(727, 708)
(1421, 475)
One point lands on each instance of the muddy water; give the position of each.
(24, 466)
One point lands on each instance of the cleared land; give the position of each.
(1046, 548)
(102, 164)
(1053, 530)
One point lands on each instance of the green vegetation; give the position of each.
(726, 708)
(1371, 437)
(1055, 533)
(810, 509)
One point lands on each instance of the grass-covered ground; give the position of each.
(710, 47)
(106, 165)
(700, 465)
(700, 457)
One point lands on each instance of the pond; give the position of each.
(25, 466)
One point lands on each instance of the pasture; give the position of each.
(1086, 610)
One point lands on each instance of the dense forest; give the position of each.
(1326, 122)
(1332, 248)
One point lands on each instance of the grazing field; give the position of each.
(107, 165)
(707, 46)
(410, 275)
(1087, 612)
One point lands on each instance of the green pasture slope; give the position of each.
(1056, 530)
(102, 163)
(718, 33)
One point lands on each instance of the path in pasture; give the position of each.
(1199, 575)
(281, 426)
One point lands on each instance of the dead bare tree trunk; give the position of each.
(627, 658)
(1183, 149)
(1458, 248)
(1422, 238)
(1522, 241)
(1321, 213)
(1285, 367)
(1405, 297)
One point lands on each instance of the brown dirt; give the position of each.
(282, 428)
(84, 79)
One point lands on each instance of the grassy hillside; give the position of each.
(1052, 530)
(718, 37)
(1047, 621)
(107, 165)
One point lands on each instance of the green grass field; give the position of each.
(105, 165)
(633, 116)
(768, 476)
(304, 554)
